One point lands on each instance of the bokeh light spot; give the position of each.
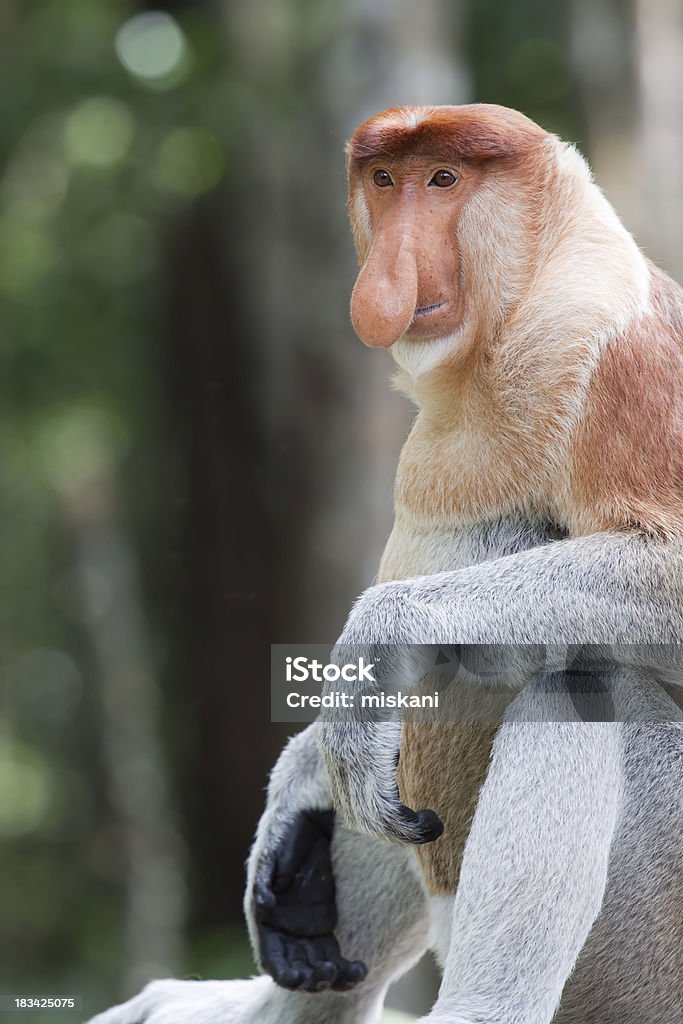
(98, 132)
(190, 161)
(79, 445)
(151, 46)
(26, 791)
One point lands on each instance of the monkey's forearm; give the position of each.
(602, 589)
(621, 591)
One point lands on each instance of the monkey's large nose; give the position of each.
(384, 299)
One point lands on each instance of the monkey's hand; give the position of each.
(290, 901)
(360, 746)
(296, 910)
(361, 762)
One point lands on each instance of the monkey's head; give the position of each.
(444, 211)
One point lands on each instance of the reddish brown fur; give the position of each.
(496, 431)
(453, 796)
(627, 467)
(475, 132)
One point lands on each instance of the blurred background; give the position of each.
(196, 454)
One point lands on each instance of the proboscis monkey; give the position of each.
(538, 501)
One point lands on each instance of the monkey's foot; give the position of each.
(186, 1002)
(296, 910)
(447, 1019)
(257, 1001)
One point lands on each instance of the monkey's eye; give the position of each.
(443, 179)
(382, 179)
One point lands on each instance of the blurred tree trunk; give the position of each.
(659, 56)
(224, 539)
(7, 9)
(134, 763)
(335, 426)
(629, 61)
(229, 555)
(285, 427)
(602, 54)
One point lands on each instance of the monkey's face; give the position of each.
(443, 206)
(410, 281)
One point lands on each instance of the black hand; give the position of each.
(296, 910)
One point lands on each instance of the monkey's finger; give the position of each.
(351, 973)
(324, 975)
(288, 964)
(323, 956)
(416, 827)
(307, 975)
(330, 967)
(286, 976)
(277, 965)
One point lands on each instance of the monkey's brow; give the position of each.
(395, 161)
(363, 153)
(458, 133)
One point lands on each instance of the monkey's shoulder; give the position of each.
(627, 456)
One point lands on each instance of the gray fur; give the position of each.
(573, 861)
(383, 917)
(535, 866)
(630, 593)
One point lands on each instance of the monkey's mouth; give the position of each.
(425, 310)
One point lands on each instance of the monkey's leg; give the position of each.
(534, 869)
(316, 894)
(256, 1001)
(629, 969)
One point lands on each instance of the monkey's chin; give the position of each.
(417, 356)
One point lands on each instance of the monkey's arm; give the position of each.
(620, 590)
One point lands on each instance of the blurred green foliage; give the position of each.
(114, 121)
(519, 55)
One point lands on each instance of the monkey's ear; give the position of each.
(474, 133)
